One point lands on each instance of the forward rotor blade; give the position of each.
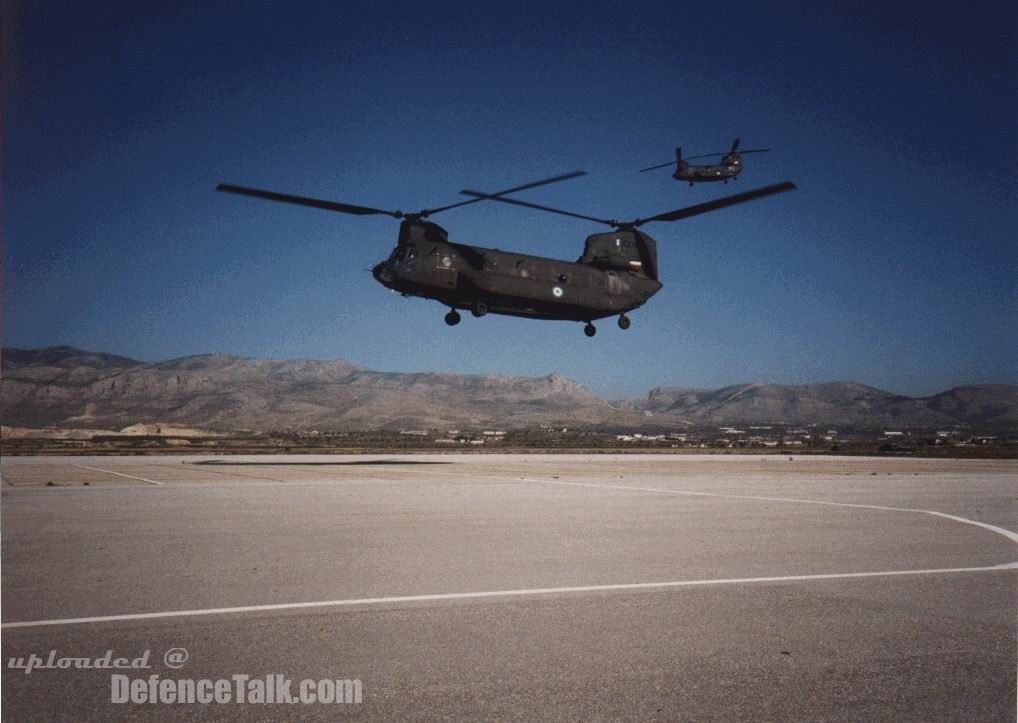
(495, 197)
(662, 165)
(728, 153)
(304, 201)
(718, 203)
(524, 187)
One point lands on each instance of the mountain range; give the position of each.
(71, 388)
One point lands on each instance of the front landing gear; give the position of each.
(589, 329)
(624, 321)
(452, 318)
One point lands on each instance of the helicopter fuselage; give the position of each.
(729, 168)
(616, 274)
(617, 271)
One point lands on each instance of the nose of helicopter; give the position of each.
(382, 273)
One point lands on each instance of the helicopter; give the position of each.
(616, 273)
(729, 167)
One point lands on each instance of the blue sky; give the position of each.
(894, 264)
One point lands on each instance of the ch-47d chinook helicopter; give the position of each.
(729, 167)
(616, 273)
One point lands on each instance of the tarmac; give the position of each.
(580, 587)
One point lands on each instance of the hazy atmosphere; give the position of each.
(893, 265)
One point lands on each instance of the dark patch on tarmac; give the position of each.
(318, 464)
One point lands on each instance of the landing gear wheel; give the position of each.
(452, 318)
(479, 309)
(589, 329)
(624, 322)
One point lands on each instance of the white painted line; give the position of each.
(1013, 536)
(118, 474)
(501, 593)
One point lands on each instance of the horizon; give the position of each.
(497, 373)
(893, 263)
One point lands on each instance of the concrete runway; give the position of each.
(584, 587)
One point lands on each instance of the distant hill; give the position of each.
(71, 388)
(833, 403)
(63, 356)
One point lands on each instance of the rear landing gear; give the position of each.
(479, 309)
(452, 318)
(623, 322)
(589, 329)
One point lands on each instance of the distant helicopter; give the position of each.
(616, 273)
(729, 168)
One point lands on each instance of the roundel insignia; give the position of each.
(557, 291)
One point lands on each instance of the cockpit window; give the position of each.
(404, 255)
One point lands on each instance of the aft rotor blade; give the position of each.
(718, 203)
(755, 150)
(661, 165)
(524, 187)
(304, 201)
(495, 197)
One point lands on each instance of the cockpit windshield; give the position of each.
(404, 254)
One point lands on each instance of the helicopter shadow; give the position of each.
(362, 462)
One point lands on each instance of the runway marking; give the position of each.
(236, 475)
(1009, 534)
(363, 602)
(119, 474)
(1013, 536)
